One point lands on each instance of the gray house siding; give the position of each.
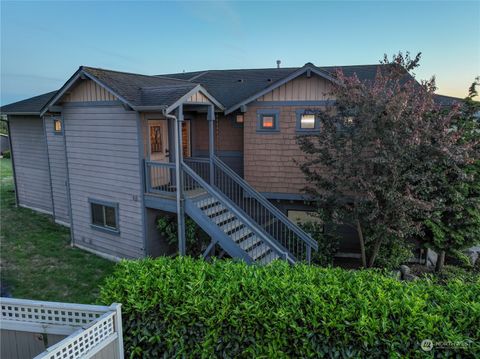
(58, 171)
(103, 164)
(31, 162)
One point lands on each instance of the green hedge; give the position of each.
(187, 307)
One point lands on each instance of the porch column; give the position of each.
(211, 140)
(179, 182)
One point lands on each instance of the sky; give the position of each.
(43, 43)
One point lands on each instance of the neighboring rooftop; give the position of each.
(31, 106)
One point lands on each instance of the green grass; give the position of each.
(37, 261)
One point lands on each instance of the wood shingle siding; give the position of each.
(58, 170)
(103, 164)
(31, 162)
(269, 157)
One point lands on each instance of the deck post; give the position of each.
(211, 140)
(179, 183)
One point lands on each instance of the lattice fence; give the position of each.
(89, 328)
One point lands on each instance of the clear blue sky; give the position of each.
(43, 43)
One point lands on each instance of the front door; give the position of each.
(159, 152)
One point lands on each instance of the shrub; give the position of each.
(184, 307)
(327, 244)
(6, 154)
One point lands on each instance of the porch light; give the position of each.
(239, 119)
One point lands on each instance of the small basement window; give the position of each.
(104, 215)
(57, 126)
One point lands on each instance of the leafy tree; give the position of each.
(455, 222)
(362, 166)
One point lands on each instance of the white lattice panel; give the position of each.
(36, 313)
(90, 328)
(101, 333)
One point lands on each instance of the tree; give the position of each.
(455, 222)
(362, 166)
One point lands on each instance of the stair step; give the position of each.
(242, 234)
(270, 257)
(232, 226)
(213, 211)
(249, 242)
(224, 217)
(204, 203)
(258, 251)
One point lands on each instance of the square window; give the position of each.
(307, 122)
(57, 126)
(268, 121)
(104, 216)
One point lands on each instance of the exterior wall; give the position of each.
(198, 97)
(31, 162)
(302, 88)
(88, 90)
(228, 140)
(104, 164)
(269, 156)
(58, 171)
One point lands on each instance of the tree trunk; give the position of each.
(440, 261)
(362, 243)
(376, 248)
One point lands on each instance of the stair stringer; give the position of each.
(215, 232)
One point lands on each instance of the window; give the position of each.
(104, 215)
(307, 121)
(267, 120)
(57, 126)
(156, 144)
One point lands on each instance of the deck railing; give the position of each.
(89, 329)
(264, 213)
(194, 186)
(160, 177)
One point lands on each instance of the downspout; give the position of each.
(178, 184)
(10, 144)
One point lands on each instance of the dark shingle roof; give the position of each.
(232, 86)
(32, 105)
(229, 87)
(138, 89)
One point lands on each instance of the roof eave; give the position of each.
(279, 83)
(78, 74)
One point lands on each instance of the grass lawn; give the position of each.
(36, 259)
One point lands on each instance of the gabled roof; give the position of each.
(31, 106)
(136, 90)
(231, 87)
(225, 88)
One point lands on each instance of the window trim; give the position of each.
(106, 229)
(305, 111)
(61, 124)
(268, 112)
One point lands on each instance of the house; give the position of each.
(110, 151)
